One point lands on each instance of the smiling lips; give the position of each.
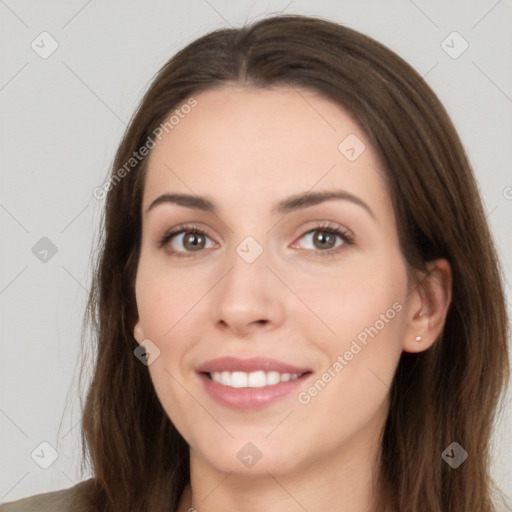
(233, 364)
(249, 384)
(258, 379)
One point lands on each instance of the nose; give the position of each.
(248, 298)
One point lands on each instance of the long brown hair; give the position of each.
(449, 393)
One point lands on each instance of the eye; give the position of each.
(323, 239)
(185, 239)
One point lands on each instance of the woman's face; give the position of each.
(268, 277)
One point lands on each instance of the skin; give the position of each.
(245, 149)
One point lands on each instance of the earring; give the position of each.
(418, 338)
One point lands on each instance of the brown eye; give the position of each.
(324, 239)
(193, 241)
(184, 241)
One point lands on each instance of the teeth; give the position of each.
(257, 379)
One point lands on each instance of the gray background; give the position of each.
(62, 118)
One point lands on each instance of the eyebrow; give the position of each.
(290, 204)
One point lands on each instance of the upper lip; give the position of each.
(253, 364)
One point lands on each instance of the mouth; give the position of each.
(250, 384)
(254, 391)
(256, 379)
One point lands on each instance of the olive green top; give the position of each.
(60, 501)
(56, 501)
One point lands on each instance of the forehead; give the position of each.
(263, 143)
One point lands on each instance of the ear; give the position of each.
(138, 333)
(428, 303)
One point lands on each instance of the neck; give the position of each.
(342, 480)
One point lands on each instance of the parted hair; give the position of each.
(448, 393)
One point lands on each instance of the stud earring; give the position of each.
(418, 338)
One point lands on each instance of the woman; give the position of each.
(298, 302)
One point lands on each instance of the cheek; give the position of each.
(166, 302)
(365, 311)
(347, 300)
(166, 296)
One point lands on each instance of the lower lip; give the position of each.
(250, 399)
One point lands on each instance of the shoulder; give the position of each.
(56, 501)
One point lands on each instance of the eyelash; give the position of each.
(325, 228)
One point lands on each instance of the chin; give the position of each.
(250, 458)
